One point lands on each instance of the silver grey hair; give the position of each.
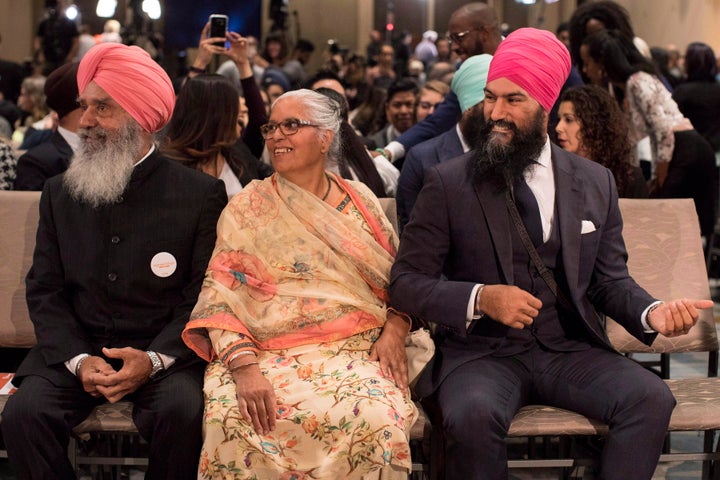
(323, 111)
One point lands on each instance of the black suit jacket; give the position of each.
(417, 161)
(91, 284)
(460, 235)
(42, 162)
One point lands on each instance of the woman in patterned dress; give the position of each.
(308, 372)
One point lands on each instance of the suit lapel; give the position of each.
(492, 204)
(449, 146)
(569, 203)
(63, 148)
(453, 144)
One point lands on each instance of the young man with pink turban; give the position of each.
(123, 241)
(506, 339)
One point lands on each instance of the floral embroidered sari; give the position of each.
(304, 286)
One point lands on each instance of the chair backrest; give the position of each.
(665, 257)
(18, 220)
(390, 208)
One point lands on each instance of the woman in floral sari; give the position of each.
(308, 373)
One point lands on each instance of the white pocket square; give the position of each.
(587, 227)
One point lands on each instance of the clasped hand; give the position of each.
(99, 378)
(509, 305)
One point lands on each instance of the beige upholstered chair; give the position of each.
(666, 258)
(18, 220)
(390, 208)
(119, 442)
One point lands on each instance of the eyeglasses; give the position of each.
(289, 126)
(458, 37)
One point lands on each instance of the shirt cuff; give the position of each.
(396, 149)
(166, 359)
(470, 312)
(73, 362)
(643, 318)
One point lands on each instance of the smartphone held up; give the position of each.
(218, 27)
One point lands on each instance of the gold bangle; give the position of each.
(235, 355)
(238, 367)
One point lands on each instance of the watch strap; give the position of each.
(157, 363)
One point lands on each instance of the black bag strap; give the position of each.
(544, 272)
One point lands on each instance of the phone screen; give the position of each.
(218, 27)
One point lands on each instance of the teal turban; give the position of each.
(469, 81)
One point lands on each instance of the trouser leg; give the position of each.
(635, 403)
(477, 402)
(36, 425)
(168, 413)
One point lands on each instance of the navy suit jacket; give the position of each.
(42, 162)
(417, 160)
(460, 235)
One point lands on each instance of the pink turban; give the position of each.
(133, 79)
(534, 60)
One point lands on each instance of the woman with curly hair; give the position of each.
(593, 126)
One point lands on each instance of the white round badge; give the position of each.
(163, 264)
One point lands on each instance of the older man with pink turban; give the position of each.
(514, 329)
(123, 241)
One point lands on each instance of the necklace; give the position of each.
(328, 189)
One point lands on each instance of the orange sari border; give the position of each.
(195, 335)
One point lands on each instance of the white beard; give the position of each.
(100, 170)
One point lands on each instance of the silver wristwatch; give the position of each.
(157, 363)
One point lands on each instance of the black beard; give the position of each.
(503, 164)
(471, 123)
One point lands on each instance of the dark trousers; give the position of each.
(692, 174)
(479, 399)
(38, 419)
